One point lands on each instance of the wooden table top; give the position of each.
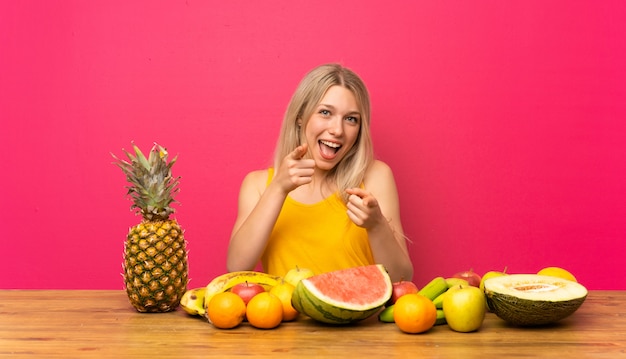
(97, 324)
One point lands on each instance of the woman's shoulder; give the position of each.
(258, 178)
(378, 173)
(378, 168)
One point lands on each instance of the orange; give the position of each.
(414, 313)
(284, 292)
(265, 311)
(226, 310)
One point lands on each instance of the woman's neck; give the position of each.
(319, 189)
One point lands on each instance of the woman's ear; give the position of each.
(299, 122)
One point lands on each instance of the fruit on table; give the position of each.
(386, 315)
(284, 292)
(532, 299)
(464, 308)
(434, 288)
(401, 288)
(557, 272)
(226, 281)
(155, 268)
(470, 276)
(452, 281)
(192, 301)
(491, 274)
(343, 296)
(439, 300)
(441, 317)
(265, 311)
(247, 290)
(226, 310)
(296, 274)
(414, 313)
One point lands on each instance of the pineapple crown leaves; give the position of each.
(152, 186)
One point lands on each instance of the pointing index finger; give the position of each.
(299, 152)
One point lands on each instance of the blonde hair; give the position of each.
(351, 170)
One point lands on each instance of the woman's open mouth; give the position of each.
(328, 149)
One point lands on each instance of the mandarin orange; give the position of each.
(226, 310)
(414, 313)
(264, 311)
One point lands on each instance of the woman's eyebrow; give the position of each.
(352, 112)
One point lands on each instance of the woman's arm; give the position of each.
(377, 209)
(259, 208)
(256, 216)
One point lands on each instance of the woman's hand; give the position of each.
(295, 170)
(363, 208)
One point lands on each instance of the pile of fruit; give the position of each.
(460, 301)
(262, 299)
(457, 301)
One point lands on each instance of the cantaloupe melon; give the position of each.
(532, 299)
(343, 296)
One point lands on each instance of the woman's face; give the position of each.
(333, 128)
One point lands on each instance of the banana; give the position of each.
(438, 301)
(193, 301)
(441, 318)
(226, 281)
(386, 315)
(434, 288)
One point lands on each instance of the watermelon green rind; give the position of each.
(310, 306)
(356, 283)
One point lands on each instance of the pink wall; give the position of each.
(504, 122)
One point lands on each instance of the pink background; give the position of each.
(503, 121)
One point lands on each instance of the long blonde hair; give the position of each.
(351, 170)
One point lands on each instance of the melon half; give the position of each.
(343, 296)
(532, 299)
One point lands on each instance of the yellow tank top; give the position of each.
(320, 237)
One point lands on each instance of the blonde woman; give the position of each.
(326, 203)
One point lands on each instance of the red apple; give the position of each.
(401, 288)
(247, 290)
(470, 276)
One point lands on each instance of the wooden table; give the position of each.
(101, 324)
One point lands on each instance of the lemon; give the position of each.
(557, 272)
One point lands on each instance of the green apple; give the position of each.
(464, 308)
(491, 274)
(439, 300)
(297, 274)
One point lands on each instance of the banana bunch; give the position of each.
(195, 301)
(434, 288)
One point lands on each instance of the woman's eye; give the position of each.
(325, 112)
(352, 119)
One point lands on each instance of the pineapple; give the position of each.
(155, 255)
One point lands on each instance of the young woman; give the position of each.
(326, 204)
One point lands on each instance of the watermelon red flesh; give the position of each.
(343, 296)
(355, 287)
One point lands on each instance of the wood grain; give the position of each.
(97, 324)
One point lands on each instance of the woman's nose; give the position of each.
(335, 127)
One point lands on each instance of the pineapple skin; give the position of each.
(155, 267)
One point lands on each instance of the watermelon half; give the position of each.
(343, 296)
